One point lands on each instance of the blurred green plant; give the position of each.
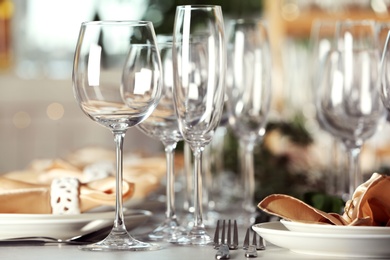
(273, 172)
(162, 12)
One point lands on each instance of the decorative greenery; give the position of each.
(273, 172)
(164, 10)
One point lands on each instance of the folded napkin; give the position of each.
(369, 206)
(63, 196)
(36, 188)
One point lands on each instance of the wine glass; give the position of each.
(162, 124)
(199, 62)
(249, 94)
(348, 100)
(117, 83)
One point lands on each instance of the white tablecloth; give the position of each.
(170, 252)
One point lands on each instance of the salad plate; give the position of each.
(326, 244)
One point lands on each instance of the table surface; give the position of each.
(168, 251)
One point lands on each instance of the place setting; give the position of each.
(56, 201)
(179, 89)
(359, 232)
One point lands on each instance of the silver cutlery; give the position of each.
(252, 247)
(228, 241)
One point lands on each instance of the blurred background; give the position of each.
(39, 117)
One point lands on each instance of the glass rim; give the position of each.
(117, 22)
(197, 6)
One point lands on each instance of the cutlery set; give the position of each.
(226, 240)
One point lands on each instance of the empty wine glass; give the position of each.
(249, 94)
(199, 61)
(348, 100)
(162, 124)
(117, 83)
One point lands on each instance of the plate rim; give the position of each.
(276, 233)
(87, 216)
(74, 226)
(285, 231)
(336, 228)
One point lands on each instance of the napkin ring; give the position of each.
(64, 196)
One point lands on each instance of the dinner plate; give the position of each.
(326, 244)
(64, 226)
(333, 229)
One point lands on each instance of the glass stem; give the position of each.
(355, 176)
(249, 177)
(119, 224)
(188, 172)
(198, 214)
(170, 190)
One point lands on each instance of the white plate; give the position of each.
(333, 229)
(340, 245)
(64, 226)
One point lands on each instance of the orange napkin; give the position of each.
(369, 206)
(23, 197)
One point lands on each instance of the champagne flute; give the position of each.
(199, 61)
(162, 124)
(249, 94)
(117, 83)
(348, 100)
(322, 38)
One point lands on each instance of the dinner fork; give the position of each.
(226, 242)
(251, 248)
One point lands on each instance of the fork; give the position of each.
(227, 242)
(251, 248)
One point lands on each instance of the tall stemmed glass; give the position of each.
(199, 61)
(348, 99)
(249, 94)
(322, 40)
(117, 83)
(162, 124)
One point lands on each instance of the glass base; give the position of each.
(120, 241)
(197, 237)
(169, 231)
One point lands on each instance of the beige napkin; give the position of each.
(369, 206)
(23, 197)
(142, 174)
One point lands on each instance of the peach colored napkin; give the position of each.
(369, 206)
(88, 165)
(23, 197)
